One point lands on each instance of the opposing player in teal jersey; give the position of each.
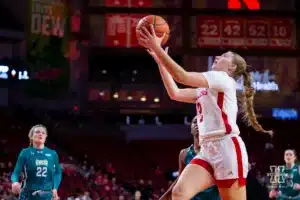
(185, 157)
(41, 168)
(290, 188)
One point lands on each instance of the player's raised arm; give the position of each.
(168, 194)
(152, 42)
(187, 95)
(57, 174)
(192, 79)
(212, 79)
(15, 177)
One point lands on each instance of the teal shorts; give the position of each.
(211, 193)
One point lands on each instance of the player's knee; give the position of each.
(179, 192)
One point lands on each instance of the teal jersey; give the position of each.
(291, 176)
(41, 169)
(190, 154)
(211, 193)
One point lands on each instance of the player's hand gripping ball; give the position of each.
(160, 26)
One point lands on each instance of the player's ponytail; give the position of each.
(247, 98)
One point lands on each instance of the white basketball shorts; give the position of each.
(225, 158)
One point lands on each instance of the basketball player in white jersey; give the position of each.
(223, 158)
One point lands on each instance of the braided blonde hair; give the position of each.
(247, 98)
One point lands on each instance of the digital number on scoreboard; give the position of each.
(251, 32)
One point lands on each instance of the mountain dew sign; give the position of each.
(48, 37)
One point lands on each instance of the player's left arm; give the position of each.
(58, 172)
(193, 79)
(18, 167)
(212, 79)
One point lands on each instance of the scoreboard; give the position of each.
(245, 32)
(213, 29)
(118, 30)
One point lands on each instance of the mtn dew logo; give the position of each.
(262, 81)
(47, 18)
(48, 37)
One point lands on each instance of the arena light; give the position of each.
(13, 73)
(143, 99)
(116, 95)
(175, 174)
(75, 108)
(156, 99)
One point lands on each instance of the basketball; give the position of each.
(160, 26)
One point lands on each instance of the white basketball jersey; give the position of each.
(217, 105)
